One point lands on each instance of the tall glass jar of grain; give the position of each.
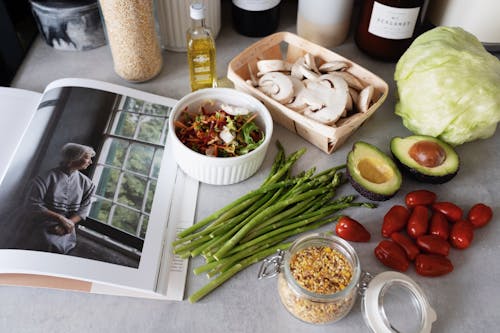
(320, 276)
(132, 37)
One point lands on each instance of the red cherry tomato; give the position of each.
(452, 212)
(407, 244)
(392, 255)
(479, 215)
(351, 230)
(439, 225)
(420, 197)
(433, 244)
(432, 265)
(461, 234)
(395, 220)
(418, 222)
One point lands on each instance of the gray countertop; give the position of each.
(465, 300)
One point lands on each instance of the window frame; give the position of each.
(101, 163)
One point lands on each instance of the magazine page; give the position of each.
(17, 107)
(91, 196)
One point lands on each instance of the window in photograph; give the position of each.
(128, 166)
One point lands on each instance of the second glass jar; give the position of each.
(319, 299)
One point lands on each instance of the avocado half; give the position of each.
(372, 173)
(425, 158)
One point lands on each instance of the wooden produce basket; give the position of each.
(289, 47)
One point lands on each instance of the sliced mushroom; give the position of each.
(349, 105)
(313, 100)
(353, 98)
(295, 70)
(333, 66)
(307, 73)
(316, 96)
(273, 65)
(310, 62)
(323, 93)
(326, 115)
(297, 102)
(351, 80)
(341, 89)
(269, 88)
(365, 98)
(335, 101)
(354, 94)
(282, 86)
(330, 79)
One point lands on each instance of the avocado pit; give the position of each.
(425, 158)
(427, 153)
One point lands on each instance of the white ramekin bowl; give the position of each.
(220, 170)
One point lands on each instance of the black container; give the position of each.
(256, 18)
(69, 25)
(18, 32)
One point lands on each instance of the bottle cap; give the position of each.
(197, 11)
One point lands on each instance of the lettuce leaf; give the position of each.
(448, 86)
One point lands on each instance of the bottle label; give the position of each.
(393, 23)
(201, 66)
(256, 5)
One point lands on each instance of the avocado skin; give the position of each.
(366, 193)
(421, 177)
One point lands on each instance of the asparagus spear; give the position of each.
(209, 287)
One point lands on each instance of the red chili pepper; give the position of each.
(418, 222)
(439, 226)
(407, 244)
(395, 220)
(351, 230)
(432, 265)
(433, 244)
(461, 234)
(480, 215)
(420, 197)
(453, 212)
(392, 255)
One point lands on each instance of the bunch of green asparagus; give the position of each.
(260, 222)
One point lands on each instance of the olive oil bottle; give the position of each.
(200, 50)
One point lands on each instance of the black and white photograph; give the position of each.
(87, 187)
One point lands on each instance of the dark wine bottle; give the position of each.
(387, 27)
(256, 18)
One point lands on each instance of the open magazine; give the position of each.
(97, 155)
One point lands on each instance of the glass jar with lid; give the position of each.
(320, 277)
(133, 39)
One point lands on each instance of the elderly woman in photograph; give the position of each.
(59, 199)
